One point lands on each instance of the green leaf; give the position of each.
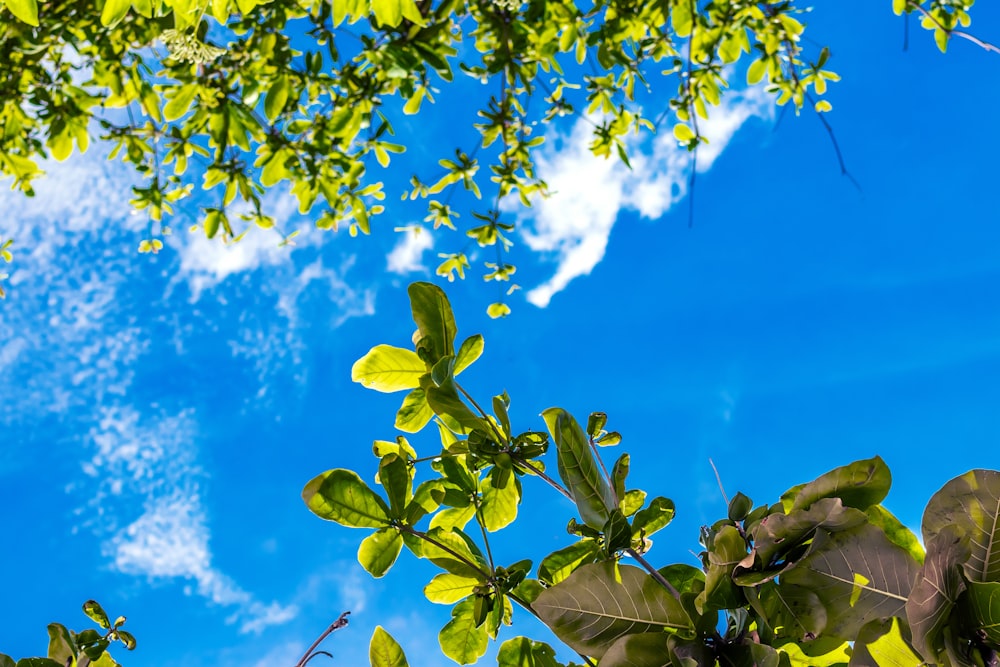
(937, 589)
(445, 402)
(114, 11)
(25, 10)
(61, 646)
(727, 550)
(646, 649)
(739, 507)
(340, 495)
(793, 610)
(558, 565)
(6, 661)
(835, 567)
(683, 133)
(38, 662)
(462, 639)
(970, 503)
(277, 97)
(881, 644)
(657, 515)
(898, 6)
(379, 551)
(499, 506)
(447, 588)
(578, 469)
(392, 12)
(781, 533)
(860, 484)
(471, 565)
(983, 605)
(396, 477)
(434, 319)
(96, 613)
(601, 602)
(414, 414)
(384, 651)
(470, 350)
(524, 652)
(896, 532)
(180, 101)
(822, 652)
(389, 369)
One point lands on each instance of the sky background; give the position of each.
(162, 413)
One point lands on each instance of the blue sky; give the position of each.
(161, 414)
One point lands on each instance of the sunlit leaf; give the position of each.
(340, 495)
(384, 651)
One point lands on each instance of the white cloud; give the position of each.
(408, 254)
(588, 192)
(154, 466)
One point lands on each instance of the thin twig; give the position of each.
(836, 145)
(551, 482)
(719, 480)
(336, 625)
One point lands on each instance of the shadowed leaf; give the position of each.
(593, 608)
(971, 504)
(936, 590)
(578, 469)
(860, 484)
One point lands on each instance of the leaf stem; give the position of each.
(551, 482)
(444, 547)
(479, 409)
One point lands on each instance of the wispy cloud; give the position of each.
(407, 255)
(589, 193)
(152, 464)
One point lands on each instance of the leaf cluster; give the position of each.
(824, 576)
(80, 649)
(216, 102)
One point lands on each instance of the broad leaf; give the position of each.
(340, 495)
(384, 651)
(896, 531)
(578, 469)
(461, 639)
(935, 592)
(859, 576)
(524, 652)
(860, 484)
(388, 369)
(379, 551)
(415, 412)
(96, 613)
(434, 319)
(445, 402)
(392, 12)
(881, 644)
(447, 588)
(449, 550)
(499, 506)
(970, 503)
(114, 11)
(25, 10)
(593, 608)
(792, 611)
(647, 649)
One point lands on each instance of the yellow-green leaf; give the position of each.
(384, 651)
(25, 10)
(114, 11)
(496, 310)
(447, 588)
(379, 551)
(388, 369)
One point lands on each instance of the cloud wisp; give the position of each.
(589, 193)
(407, 255)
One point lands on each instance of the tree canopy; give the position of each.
(213, 103)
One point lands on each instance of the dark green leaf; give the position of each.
(860, 484)
(434, 319)
(858, 574)
(646, 649)
(739, 507)
(396, 477)
(558, 565)
(62, 649)
(932, 600)
(971, 504)
(657, 515)
(596, 606)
